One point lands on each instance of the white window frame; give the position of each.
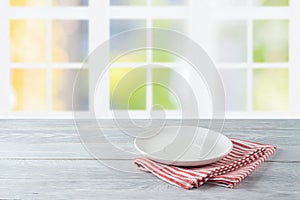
(99, 13)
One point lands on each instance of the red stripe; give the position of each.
(165, 176)
(241, 144)
(193, 172)
(165, 167)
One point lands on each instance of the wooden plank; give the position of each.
(90, 180)
(76, 151)
(69, 135)
(64, 131)
(66, 124)
(64, 143)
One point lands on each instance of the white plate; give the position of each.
(183, 146)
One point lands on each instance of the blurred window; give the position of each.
(257, 53)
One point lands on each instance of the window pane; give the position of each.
(271, 2)
(69, 40)
(134, 56)
(127, 88)
(232, 41)
(127, 2)
(235, 85)
(28, 2)
(28, 41)
(169, 2)
(163, 56)
(162, 96)
(117, 26)
(70, 2)
(270, 89)
(172, 24)
(175, 25)
(29, 89)
(63, 81)
(271, 41)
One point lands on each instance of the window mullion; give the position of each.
(98, 34)
(249, 65)
(149, 94)
(48, 65)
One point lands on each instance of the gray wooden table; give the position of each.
(45, 159)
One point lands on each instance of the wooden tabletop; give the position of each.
(45, 159)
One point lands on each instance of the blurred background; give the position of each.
(252, 43)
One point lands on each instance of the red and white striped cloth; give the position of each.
(244, 158)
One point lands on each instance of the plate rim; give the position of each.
(182, 162)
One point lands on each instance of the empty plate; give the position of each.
(183, 145)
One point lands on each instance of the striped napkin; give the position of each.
(244, 158)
